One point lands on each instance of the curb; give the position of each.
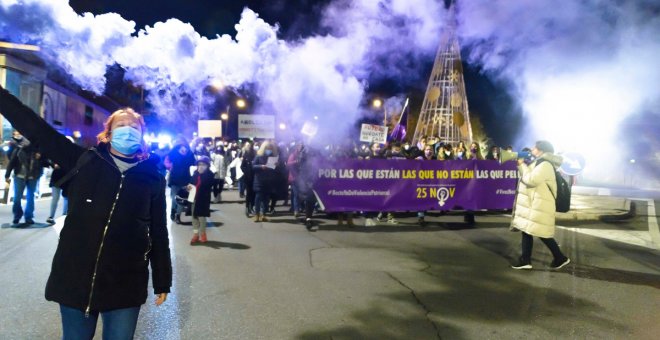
(629, 207)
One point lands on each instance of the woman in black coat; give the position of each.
(265, 179)
(202, 180)
(115, 228)
(248, 177)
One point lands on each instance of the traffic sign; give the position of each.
(573, 163)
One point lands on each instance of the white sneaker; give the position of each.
(392, 221)
(369, 222)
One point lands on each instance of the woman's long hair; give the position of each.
(105, 135)
(268, 145)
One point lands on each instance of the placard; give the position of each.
(256, 126)
(373, 133)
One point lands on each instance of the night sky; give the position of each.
(299, 18)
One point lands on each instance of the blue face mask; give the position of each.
(268, 153)
(126, 140)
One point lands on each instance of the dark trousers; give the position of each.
(249, 197)
(528, 243)
(309, 202)
(261, 202)
(117, 324)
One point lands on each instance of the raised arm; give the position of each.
(52, 144)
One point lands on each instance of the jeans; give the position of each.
(176, 208)
(295, 198)
(118, 324)
(528, 243)
(19, 187)
(261, 202)
(57, 192)
(241, 186)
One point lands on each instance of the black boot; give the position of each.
(177, 218)
(172, 215)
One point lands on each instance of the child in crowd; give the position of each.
(201, 185)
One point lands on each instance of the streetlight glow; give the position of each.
(217, 84)
(377, 103)
(240, 103)
(224, 116)
(282, 126)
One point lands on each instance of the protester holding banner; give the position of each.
(265, 178)
(493, 153)
(375, 152)
(534, 213)
(446, 153)
(427, 156)
(475, 151)
(461, 152)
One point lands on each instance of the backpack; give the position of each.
(563, 198)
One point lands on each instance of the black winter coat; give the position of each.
(203, 195)
(25, 159)
(265, 180)
(116, 226)
(180, 172)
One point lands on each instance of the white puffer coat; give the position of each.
(534, 213)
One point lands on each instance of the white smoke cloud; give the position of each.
(578, 69)
(321, 76)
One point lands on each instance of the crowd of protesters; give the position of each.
(267, 172)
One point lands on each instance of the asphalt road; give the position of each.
(452, 281)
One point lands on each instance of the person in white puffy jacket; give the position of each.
(534, 213)
(218, 158)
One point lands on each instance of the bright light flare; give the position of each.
(579, 112)
(282, 126)
(377, 103)
(224, 116)
(241, 104)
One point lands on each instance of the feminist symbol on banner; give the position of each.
(443, 195)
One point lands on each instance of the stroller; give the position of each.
(182, 200)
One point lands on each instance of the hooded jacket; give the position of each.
(534, 212)
(116, 226)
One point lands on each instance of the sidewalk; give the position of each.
(593, 208)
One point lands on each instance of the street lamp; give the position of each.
(240, 103)
(378, 104)
(224, 116)
(217, 84)
(282, 126)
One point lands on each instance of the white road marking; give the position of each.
(648, 239)
(633, 237)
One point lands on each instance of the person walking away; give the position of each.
(201, 184)
(218, 158)
(116, 228)
(180, 159)
(248, 177)
(26, 164)
(534, 213)
(293, 164)
(265, 177)
(56, 191)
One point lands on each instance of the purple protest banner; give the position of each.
(413, 185)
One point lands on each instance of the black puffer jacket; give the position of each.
(116, 224)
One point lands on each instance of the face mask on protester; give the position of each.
(126, 140)
(460, 154)
(447, 153)
(268, 153)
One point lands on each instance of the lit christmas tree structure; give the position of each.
(445, 109)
